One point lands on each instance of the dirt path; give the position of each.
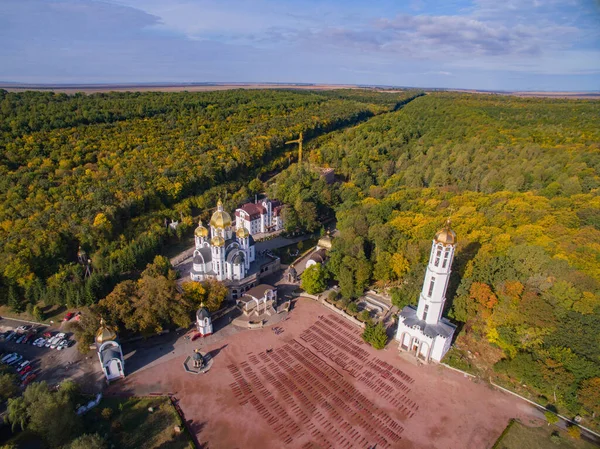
(316, 384)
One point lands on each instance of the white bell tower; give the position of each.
(433, 294)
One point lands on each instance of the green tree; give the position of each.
(314, 279)
(49, 414)
(8, 386)
(352, 308)
(89, 441)
(376, 335)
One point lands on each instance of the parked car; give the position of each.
(29, 338)
(68, 316)
(70, 343)
(7, 357)
(23, 373)
(63, 344)
(30, 377)
(10, 358)
(56, 340)
(20, 339)
(15, 360)
(47, 335)
(12, 335)
(22, 365)
(23, 328)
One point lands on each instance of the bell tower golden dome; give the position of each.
(446, 236)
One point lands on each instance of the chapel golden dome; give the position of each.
(220, 219)
(217, 240)
(446, 236)
(325, 242)
(242, 233)
(201, 231)
(105, 333)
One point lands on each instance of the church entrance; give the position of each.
(415, 346)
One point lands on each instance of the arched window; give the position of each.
(446, 258)
(431, 285)
(438, 256)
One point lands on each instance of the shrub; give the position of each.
(574, 432)
(352, 308)
(106, 413)
(551, 417)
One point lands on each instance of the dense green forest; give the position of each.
(520, 179)
(104, 171)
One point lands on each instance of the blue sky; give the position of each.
(480, 44)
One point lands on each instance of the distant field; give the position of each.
(96, 88)
(523, 437)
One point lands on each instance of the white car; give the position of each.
(23, 365)
(63, 344)
(56, 341)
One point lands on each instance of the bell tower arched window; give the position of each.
(431, 285)
(446, 258)
(438, 255)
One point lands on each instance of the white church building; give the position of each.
(221, 254)
(422, 331)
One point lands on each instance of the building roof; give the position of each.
(220, 219)
(446, 236)
(259, 291)
(201, 231)
(242, 233)
(217, 240)
(105, 333)
(325, 242)
(203, 255)
(443, 328)
(318, 256)
(254, 210)
(109, 353)
(202, 313)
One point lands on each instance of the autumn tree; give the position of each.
(314, 279)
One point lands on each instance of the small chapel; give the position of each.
(223, 253)
(422, 331)
(109, 353)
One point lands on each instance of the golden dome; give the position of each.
(242, 233)
(325, 242)
(201, 231)
(217, 240)
(220, 219)
(446, 236)
(105, 333)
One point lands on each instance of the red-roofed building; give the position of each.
(260, 217)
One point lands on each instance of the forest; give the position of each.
(104, 172)
(520, 180)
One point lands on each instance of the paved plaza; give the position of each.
(311, 382)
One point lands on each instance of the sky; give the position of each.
(478, 44)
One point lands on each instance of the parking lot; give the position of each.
(48, 364)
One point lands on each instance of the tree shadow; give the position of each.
(141, 353)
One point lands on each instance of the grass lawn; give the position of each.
(523, 437)
(132, 426)
(285, 252)
(51, 313)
